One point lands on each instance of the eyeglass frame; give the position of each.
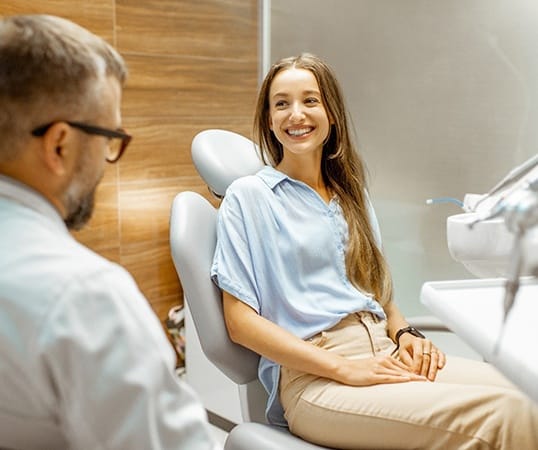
(93, 130)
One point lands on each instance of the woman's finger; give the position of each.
(434, 365)
(441, 360)
(391, 367)
(422, 356)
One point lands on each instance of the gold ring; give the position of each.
(426, 353)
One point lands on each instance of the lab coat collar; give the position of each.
(24, 195)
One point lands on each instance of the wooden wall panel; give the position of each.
(161, 147)
(97, 16)
(186, 86)
(203, 28)
(193, 64)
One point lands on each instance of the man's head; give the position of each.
(55, 79)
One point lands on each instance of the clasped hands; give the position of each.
(418, 360)
(421, 356)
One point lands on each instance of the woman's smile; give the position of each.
(300, 132)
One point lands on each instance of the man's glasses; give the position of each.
(119, 139)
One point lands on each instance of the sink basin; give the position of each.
(486, 249)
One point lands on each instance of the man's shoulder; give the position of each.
(39, 264)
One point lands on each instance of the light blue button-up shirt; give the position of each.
(281, 250)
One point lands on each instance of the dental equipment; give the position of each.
(456, 201)
(520, 213)
(514, 175)
(507, 204)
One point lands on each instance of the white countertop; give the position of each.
(473, 309)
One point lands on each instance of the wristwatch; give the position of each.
(410, 330)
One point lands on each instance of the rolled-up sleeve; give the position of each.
(233, 267)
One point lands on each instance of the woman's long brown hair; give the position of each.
(343, 171)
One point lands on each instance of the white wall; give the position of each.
(444, 98)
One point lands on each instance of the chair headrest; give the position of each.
(221, 156)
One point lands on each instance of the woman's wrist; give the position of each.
(404, 330)
(343, 372)
(394, 328)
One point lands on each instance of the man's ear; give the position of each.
(55, 150)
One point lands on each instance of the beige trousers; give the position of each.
(469, 406)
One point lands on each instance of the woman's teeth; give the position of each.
(300, 131)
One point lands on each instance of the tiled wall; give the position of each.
(193, 65)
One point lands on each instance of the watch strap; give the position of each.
(410, 330)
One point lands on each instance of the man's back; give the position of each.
(83, 355)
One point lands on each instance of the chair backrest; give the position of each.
(221, 156)
(192, 244)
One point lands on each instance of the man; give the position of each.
(84, 362)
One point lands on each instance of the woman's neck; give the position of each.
(309, 172)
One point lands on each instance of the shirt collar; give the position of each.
(24, 195)
(272, 176)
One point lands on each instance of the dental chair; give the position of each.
(221, 156)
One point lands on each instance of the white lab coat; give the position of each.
(84, 362)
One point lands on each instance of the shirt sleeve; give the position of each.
(112, 369)
(236, 249)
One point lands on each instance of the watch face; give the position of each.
(411, 330)
(416, 333)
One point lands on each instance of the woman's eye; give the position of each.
(280, 104)
(311, 101)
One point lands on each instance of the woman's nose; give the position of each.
(297, 112)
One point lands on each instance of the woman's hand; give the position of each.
(421, 355)
(379, 369)
(248, 328)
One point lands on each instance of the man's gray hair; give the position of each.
(49, 70)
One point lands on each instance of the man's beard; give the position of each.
(79, 198)
(79, 211)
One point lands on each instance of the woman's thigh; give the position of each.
(467, 407)
(414, 415)
(468, 371)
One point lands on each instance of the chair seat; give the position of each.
(252, 435)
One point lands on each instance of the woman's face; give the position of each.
(297, 115)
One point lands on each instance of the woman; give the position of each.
(306, 286)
